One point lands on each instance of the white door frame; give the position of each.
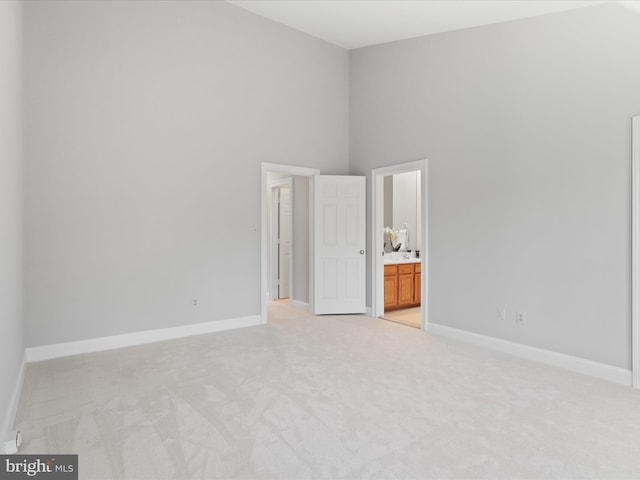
(266, 168)
(635, 252)
(377, 240)
(273, 225)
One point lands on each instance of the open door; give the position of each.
(338, 250)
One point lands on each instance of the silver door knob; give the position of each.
(361, 252)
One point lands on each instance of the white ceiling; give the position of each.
(358, 23)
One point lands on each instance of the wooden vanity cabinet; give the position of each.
(402, 285)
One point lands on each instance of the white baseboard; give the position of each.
(47, 352)
(575, 364)
(10, 416)
(369, 312)
(299, 305)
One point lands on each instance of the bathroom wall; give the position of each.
(406, 204)
(526, 126)
(387, 216)
(387, 185)
(147, 124)
(402, 205)
(11, 224)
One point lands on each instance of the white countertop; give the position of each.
(388, 260)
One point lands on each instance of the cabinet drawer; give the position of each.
(405, 268)
(390, 270)
(418, 267)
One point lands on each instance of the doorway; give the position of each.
(298, 277)
(281, 236)
(399, 274)
(402, 245)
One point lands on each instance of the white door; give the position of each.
(284, 242)
(338, 266)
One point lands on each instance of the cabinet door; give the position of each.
(390, 270)
(390, 291)
(405, 289)
(406, 268)
(417, 287)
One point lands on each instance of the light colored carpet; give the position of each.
(331, 397)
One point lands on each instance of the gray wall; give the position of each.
(147, 123)
(11, 336)
(526, 126)
(300, 287)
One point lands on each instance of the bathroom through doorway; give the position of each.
(402, 245)
(399, 241)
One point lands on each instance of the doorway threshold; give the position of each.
(409, 317)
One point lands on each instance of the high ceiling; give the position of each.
(358, 23)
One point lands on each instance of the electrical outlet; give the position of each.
(195, 302)
(521, 318)
(502, 314)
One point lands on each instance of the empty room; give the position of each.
(208, 271)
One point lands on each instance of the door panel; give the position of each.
(405, 289)
(390, 291)
(339, 244)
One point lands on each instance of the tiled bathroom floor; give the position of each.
(406, 316)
